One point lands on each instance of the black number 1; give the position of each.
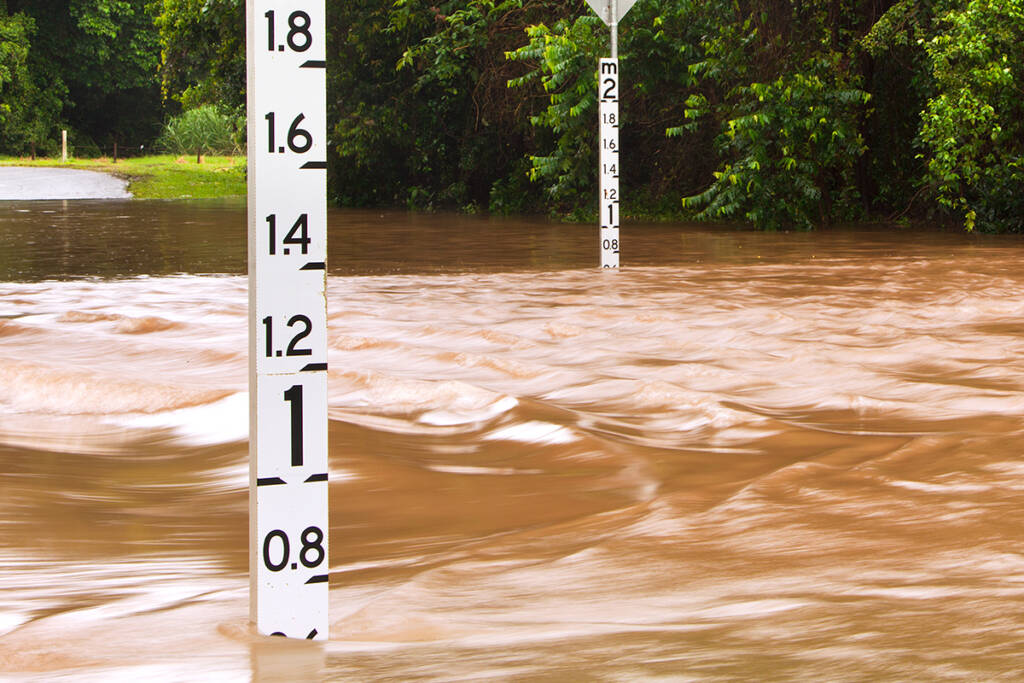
(294, 396)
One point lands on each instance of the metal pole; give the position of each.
(613, 25)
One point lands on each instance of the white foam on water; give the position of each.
(468, 469)
(10, 620)
(46, 389)
(534, 431)
(222, 421)
(447, 418)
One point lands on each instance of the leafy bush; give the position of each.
(204, 130)
(973, 129)
(789, 148)
(565, 59)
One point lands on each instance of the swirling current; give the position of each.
(746, 456)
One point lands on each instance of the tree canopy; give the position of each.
(779, 113)
(91, 66)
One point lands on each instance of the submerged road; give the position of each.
(59, 183)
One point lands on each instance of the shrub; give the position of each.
(203, 129)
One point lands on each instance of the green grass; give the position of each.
(164, 176)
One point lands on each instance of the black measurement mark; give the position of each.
(316, 477)
(269, 481)
(314, 165)
(313, 367)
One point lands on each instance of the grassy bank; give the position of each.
(162, 177)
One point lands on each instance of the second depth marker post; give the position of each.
(608, 165)
(608, 160)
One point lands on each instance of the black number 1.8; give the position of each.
(298, 38)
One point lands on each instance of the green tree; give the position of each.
(202, 45)
(780, 86)
(973, 128)
(25, 115)
(563, 60)
(419, 106)
(656, 43)
(98, 58)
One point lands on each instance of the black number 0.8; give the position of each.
(311, 555)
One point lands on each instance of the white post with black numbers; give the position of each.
(608, 161)
(287, 208)
(609, 153)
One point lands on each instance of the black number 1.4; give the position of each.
(298, 235)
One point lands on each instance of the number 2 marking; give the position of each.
(609, 92)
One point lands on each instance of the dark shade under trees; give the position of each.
(91, 67)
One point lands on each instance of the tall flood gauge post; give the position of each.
(287, 215)
(611, 12)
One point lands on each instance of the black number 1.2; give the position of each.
(294, 396)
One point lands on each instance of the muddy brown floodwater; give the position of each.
(745, 456)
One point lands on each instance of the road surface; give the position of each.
(59, 183)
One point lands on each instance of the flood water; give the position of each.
(745, 456)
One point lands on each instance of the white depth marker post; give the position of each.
(609, 167)
(608, 161)
(287, 202)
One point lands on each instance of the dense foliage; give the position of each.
(91, 66)
(779, 113)
(973, 127)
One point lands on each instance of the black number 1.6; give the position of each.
(299, 139)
